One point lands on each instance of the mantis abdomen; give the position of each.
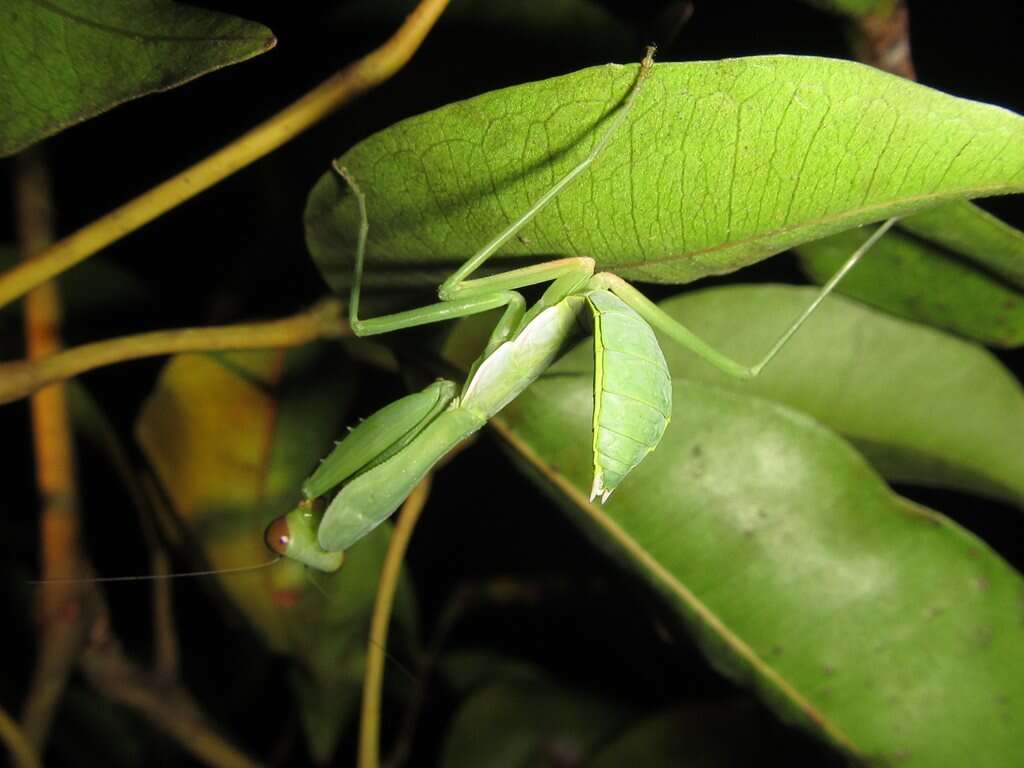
(632, 391)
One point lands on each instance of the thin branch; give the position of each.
(62, 616)
(23, 377)
(166, 653)
(341, 88)
(168, 706)
(23, 754)
(369, 725)
(74, 625)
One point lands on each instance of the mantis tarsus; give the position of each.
(378, 464)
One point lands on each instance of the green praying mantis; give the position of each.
(371, 472)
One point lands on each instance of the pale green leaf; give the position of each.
(879, 625)
(720, 164)
(923, 406)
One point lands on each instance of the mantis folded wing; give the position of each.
(377, 465)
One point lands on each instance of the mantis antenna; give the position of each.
(160, 577)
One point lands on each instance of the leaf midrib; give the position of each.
(637, 552)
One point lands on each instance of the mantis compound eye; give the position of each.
(278, 537)
(295, 536)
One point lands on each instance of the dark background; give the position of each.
(237, 253)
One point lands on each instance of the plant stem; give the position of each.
(882, 39)
(62, 615)
(369, 725)
(339, 89)
(23, 755)
(167, 705)
(74, 624)
(23, 377)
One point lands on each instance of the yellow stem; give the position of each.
(23, 755)
(369, 725)
(23, 377)
(339, 89)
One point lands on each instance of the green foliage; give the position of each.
(762, 529)
(966, 229)
(66, 61)
(915, 279)
(924, 407)
(799, 572)
(721, 164)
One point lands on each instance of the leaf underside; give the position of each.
(800, 573)
(924, 407)
(63, 61)
(912, 278)
(719, 164)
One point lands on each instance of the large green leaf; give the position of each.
(966, 229)
(880, 625)
(925, 407)
(720, 164)
(231, 437)
(912, 278)
(66, 60)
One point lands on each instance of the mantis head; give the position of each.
(294, 536)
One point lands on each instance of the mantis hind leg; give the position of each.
(683, 336)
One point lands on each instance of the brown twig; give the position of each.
(62, 617)
(73, 622)
(882, 39)
(166, 653)
(166, 705)
(23, 377)
(341, 88)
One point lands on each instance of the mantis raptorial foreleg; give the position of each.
(381, 461)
